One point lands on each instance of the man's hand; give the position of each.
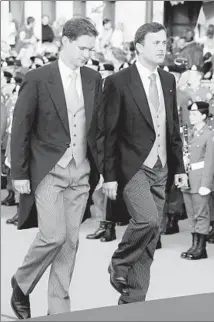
(22, 186)
(110, 189)
(181, 180)
(203, 191)
(100, 183)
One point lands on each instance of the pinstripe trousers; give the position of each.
(61, 199)
(144, 196)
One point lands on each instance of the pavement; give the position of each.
(171, 276)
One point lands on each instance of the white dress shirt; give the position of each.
(144, 75)
(65, 73)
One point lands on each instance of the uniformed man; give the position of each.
(199, 163)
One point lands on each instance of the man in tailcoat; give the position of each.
(143, 150)
(54, 163)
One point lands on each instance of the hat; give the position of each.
(17, 63)
(19, 78)
(202, 107)
(106, 67)
(8, 75)
(10, 60)
(92, 62)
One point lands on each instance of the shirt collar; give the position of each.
(66, 70)
(145, 72)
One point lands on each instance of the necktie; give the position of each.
(153, 92)
(72, 97)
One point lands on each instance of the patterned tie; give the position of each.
(153, 92)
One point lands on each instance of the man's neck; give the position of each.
(151, 67)
(66, 61)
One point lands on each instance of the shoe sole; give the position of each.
(15, 312)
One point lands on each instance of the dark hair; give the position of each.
(143, 30)
(30, 20)
(79, 26)
(105, 21)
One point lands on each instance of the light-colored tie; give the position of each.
(72, 96)
(153, 92)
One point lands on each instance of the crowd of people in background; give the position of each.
(189, 57)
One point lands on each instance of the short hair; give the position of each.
(77, 27)
(30, 20)
(210, 30)
(143, 30)
(105, 21)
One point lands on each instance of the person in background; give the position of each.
(117, 57)
(192, 51)
(207, 41)
(200, 162)
(106, 35)
(117, 38)
(47, 31)
(26, 37)
(12, 34)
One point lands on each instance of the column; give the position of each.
(49, 9)
(79, 8)
(64, 10)
(4, 20)
(18, 12)
(109, 11)
(149, 11)
(158, 11)
(132, 15)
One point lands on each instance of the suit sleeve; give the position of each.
(100, 135)
(208, 172)
(23, 119)
(176, 142)
(111, 106)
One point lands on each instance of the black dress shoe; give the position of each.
(99, 232)
(172, 225)
(10, 199)
(121, 302)
(110, 233)
(119, 283)
(13, 220)
(20, 303)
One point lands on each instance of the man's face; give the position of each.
(45, 20)
(153, 49)
(79, 51)
(107, 26)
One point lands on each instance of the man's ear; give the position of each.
(139, 47)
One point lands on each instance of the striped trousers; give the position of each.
(144, 196)
(61, 199)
